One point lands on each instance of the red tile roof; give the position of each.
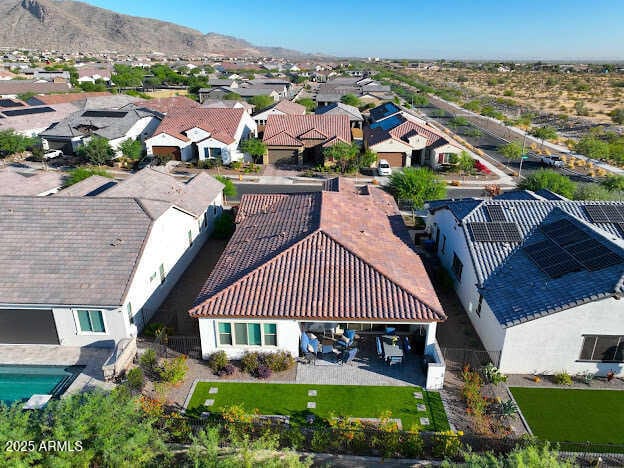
(221, 123)
(290, 108)
(69, 97)
(335, 255)
(305, 126)
(167, 104)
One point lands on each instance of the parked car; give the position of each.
(383, 168)
(52, 154)
(554, 161)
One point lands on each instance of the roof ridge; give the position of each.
(385, 275)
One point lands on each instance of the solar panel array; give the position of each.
(27, 111)
(495, 232)
(10, 103)
(496, 213)
(569, 249)
(605, 213)
(105, 113)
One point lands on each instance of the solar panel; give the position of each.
(27, 111)
(10, 103)
(552, 259)
(104, 113)
(495, 232)
(605, 213)
(495, 212)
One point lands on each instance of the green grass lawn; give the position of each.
(573, 415)
(342, 400)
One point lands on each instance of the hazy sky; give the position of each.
(495, 29)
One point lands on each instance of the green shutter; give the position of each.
(241, 333)
(253, 330)
(97, 321)
(83, 318)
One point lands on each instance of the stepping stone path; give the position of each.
(421, 407)
(424, 421)
(312, 393)
(311, 404)
(418, 395)
(213, 390)
(208, 402)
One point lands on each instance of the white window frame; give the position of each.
(247, 346)
(79, 330)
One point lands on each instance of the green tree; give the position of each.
(417, 184)
(309, 104)
(545, 132)
(81, 173)
(550, 180)
(12, 142)
(229, 189)
(97, 150)
(592, 192)
(593, 147)
(255, 148)
(126, 76)
(232, 97)
(367, 159)
(261, 102)
(344, 155)
(614, 183)
(459, 122)
(617, 115)
(351, 100)
(465, 162)
(512, 150)
(131, 148)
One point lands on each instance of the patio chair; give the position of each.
(306, 345)
(379, 348)
(347, 356)
(347, 339)
(406, 344)
(390, 330)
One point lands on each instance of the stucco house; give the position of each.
(283, 107)
(69, 278)
(339, 108)
(541, 279)
(203, 133)
(297, 262)
(403, 141)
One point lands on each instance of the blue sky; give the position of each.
(490, 29)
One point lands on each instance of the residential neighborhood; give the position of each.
(399, 250)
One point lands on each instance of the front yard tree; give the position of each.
(229, 189)
(512, 151)
(593, 147)
(344, 155)
(309, 104)
(351, 100)
(254, 148)
(98, 151)
(12, 142)
(465, 163)
(131, 149)
(261, 102)
(614, 183)
(367, 159)
(417, 184)
(549, 180)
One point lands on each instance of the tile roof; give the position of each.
(229, 104)
(27, 86)
(89, 187)
(341, 108)
(37, 122)
(289, 107)
(193, 196)
(401, 128)
(297, 126)
(65, 97)
(167, 105)
(68, 251)
(334, 255)
(218, 121)
(514, 287)
(17, 183)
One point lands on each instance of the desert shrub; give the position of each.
(173, 370)
(228, 369)
(447, 444)
(279, 361)
(153, 328)
(136, 379)
(493, 375)
(250, 362)
(236, 165)
(208, 163)
(148, 360)
(224, 226)
(217, 361)
(472, 392)
(562, 378)
(263, 372)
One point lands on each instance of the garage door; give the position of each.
(394, 159)
(282, 156)
(27, 326)
(166, 151)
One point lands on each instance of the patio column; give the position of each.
(431, 333)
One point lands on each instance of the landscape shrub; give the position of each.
(412, 444)
(152, 329)
(236, 165)
(263, 372)
(471, 392)
(228, 369)
(562, 378)
(217, 361)
(447, 444)
(321, 439)
(493, 375)
(224, 226)
(279, 361)
(148, 360)
(136, 379)
(173, 370)
(250, 362)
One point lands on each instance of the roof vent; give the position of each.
(116, 242)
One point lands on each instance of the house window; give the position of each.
(445, 158)
(442, 250)
(214, 153)
(478, 311)
(91, 321)
(270, 334)
(161, 270)
(129, 310)
(602, 348)
(225, 333)
(190, 237)
(457, 267)
(153, 277)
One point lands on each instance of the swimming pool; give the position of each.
(21, 382)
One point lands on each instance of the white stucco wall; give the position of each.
(142, 129)
(553, 343)
(288, 333)
(68, 327)
(391, 146)
(163, 139)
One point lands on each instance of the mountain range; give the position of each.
(71, 26)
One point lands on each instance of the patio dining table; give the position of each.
(391, 351)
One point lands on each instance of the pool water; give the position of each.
(21, 382)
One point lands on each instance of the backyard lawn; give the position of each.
(343, 400)
(573, 415)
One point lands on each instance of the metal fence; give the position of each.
(456, 358)
(175, 345)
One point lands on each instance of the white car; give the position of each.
(52, 154)
(383, 168)
(554, 161)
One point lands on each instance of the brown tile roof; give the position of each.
(306, 126)
(335, 255)
(25, 86)
(290, 108)
(17, 183)
(68, 97)
(222, 123)
(168, 104)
